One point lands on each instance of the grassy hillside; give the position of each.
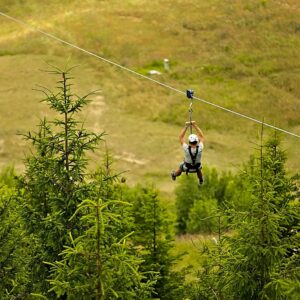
(242, 56)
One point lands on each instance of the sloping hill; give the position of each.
(238, 55)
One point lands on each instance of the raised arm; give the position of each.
(198, 131)
(182, 133)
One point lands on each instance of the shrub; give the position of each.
(203, 216)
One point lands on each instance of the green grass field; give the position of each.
(242, 56)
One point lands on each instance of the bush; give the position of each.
(203, 216)
(194, 203)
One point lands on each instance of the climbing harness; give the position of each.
(193, 167)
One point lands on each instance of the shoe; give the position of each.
(201, 181)
(173, 176)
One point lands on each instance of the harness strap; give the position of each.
(193, 165)
(193, 157)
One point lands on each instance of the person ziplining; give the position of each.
(192, 150)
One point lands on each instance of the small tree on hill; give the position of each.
(153, 240)
(263, 242)
(98, 265)
(256, 254)
(101, 263)
(54, 177)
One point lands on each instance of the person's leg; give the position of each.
(200, 176)
(177, 173)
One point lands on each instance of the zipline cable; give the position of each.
(143, 76)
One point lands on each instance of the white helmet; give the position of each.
(193, 138)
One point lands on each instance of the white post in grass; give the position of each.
(166, 65)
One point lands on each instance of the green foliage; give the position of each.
(8, 177)
(206, 286)
(203, 216)
(194, 203)
(257, 261)
(155, 65)
(285, 281)
(97, 265)
(102, 262)
(256, 55)
(186, 194)
(54, 177)
(105, 183)
(14, 253)
(153, 240)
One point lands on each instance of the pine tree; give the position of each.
(285, 278)
(248, 263)
(54, 178)
(260, 246)
(153, 239)
(98, 265)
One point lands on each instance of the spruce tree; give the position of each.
(54, 177)
(248, 263)
(101, 263)
(98, 265)
(153, 239)
(260, 246)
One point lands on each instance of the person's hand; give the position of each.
(193, 122)
(187, 124)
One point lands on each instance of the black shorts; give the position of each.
(183, 167)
